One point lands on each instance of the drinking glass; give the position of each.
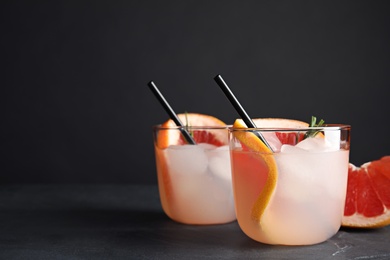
(194, 180)
(294, 194)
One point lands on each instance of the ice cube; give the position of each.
(207, 146)
(187, 159)
(272, 140)
(219, 163)
(291, 183)
(223, 148)
(315, 144)
(287, 148)
(212, 150)
(298, 173)
(333, 139)
(202, 198)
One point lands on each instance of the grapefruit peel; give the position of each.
(251, 141)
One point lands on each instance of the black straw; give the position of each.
(240, 110)
(170, 112)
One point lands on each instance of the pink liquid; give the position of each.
(307, 204)
(191, 190)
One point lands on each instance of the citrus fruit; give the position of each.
(284, 137)
(367, 203)
(252, 142)
(193, 121)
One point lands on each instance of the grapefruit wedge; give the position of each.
(368, 195)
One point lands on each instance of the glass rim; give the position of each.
(160, 127)
(326, 127)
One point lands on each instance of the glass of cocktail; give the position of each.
(193, 167)
(292, 190)
(194, 180)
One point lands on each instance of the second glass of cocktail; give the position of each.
(292, 190)
(195, 179)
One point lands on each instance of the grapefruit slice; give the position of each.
(368, 195)
(193, 121)
(252, 142)
(284, 137)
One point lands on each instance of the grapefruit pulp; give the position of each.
(368, 195)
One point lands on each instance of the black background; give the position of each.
(76, 107)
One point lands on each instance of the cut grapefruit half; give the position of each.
(194, 121)
(252, 142)
(284, 137)
(367, 203)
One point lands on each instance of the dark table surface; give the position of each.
(127, 222)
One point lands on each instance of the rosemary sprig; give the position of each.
(313, 123)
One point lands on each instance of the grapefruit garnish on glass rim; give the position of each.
(192, 121)
(265, 187)
(368, 195)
